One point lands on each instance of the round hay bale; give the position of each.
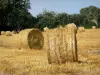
(8, 33)
(2, 32)
(30, 38)
(57, 50)
(62, 45)
(81, 29)
(46, 28)
(93, 27)
(60, 26)
(14, 32)
(71, 26)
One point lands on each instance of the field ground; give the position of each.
(34, 62)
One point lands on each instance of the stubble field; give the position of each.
(34, 62)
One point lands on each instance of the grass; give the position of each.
(34, 62)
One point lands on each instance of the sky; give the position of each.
(68, 6)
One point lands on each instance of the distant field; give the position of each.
(89, 39)
(34, 62)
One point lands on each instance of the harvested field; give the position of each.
(34, 62)
(89, 39)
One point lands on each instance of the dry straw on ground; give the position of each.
(93, 27)
(81, 29)
(34, 62)
(28, 38)
(89, 39)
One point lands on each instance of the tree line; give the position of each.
(14, 15)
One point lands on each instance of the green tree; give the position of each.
(46, 19)
(14, 13)
(92, 14)
(61, 19)
(76, 18)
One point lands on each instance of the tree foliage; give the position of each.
(92, 15)
(14, 15)
(46, 19)
(88, 17)
(62, 19)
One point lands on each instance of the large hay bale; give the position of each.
(28, 38)
(62, 45)
(81, 29)
(2, 32)
(8, 33)
(57, 49)
(93, 27)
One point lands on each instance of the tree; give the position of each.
(61, 19)
(46, 19)
(14, 13)
(22, 20)
(92, 14)
(76, 18)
